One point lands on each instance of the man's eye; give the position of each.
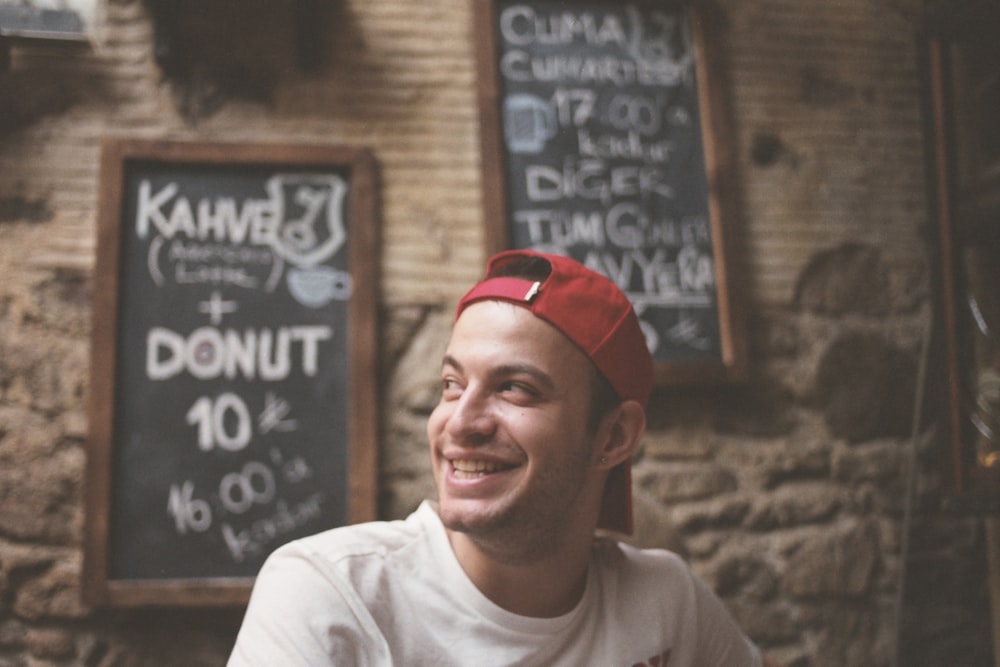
(518, 388)
(450, 388)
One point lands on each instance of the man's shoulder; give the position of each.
(659, 584)
(642, 570)
(374, 539)
(617, 554)
(317, 596)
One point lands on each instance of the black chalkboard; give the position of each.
(600, 131)
(233, 370)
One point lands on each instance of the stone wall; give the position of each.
(787, 494)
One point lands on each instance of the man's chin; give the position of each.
(471, 517)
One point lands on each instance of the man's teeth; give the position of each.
(465, 469)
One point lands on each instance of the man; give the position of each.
(544, 387)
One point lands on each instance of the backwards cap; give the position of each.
(595, 315)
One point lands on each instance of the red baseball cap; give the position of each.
(593, 313)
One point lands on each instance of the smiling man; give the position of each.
(544, 386)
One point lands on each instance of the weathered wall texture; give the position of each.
(787, 494)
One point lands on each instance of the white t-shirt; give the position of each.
(393, 593)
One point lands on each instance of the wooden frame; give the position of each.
(960, 62)
(340, 172)
(730, 361)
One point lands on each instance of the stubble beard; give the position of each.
(528, 528)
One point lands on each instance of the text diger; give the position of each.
(593, 179)
(208, 352)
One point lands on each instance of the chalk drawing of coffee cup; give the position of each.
(308, 210)
(318, 286)
(529, 122)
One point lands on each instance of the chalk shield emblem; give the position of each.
(311, 230)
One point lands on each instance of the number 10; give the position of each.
(211, 421)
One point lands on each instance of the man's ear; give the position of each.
(620, 430)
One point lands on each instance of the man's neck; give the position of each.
(542, 586)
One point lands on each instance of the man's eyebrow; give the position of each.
(451, 361)
(531, 370)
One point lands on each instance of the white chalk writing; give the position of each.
(263, 532)
(648, 277)
(208, 353)
(594, 180)
(272, 417)
(624, 225)
(210, 418)
(523, 25)
(252, 485)
(655, 51)
(207, 219)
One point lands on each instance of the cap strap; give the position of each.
(508, 289)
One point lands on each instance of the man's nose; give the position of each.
(472, 418)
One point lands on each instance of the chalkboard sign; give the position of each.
(603, 139)
(233, 363)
